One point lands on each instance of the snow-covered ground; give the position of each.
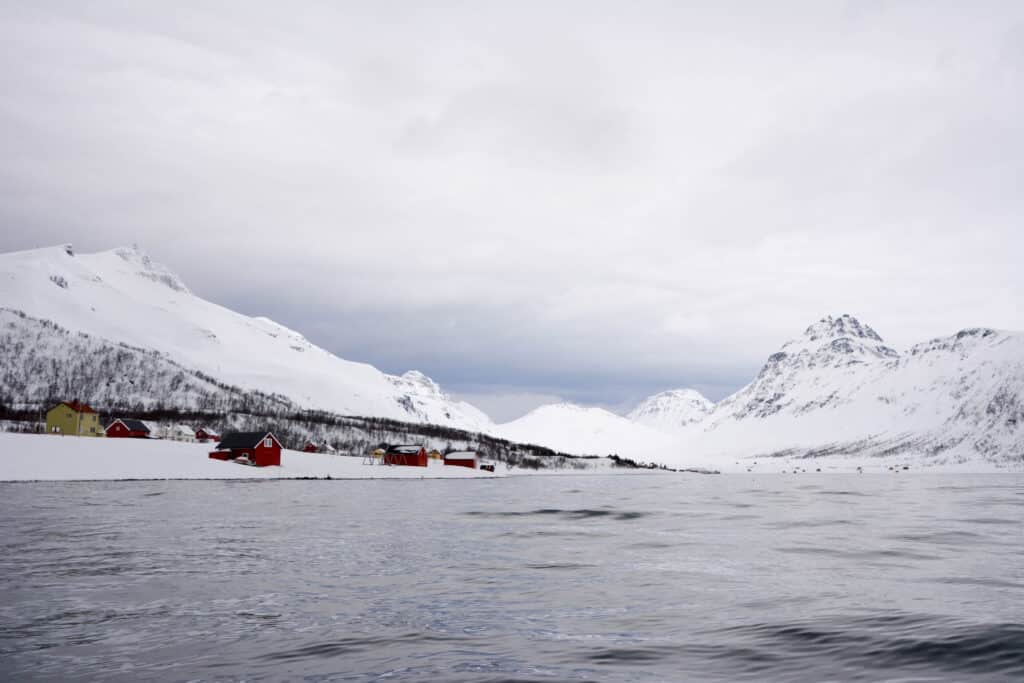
(40, 457)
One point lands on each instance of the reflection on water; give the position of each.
(653, 577)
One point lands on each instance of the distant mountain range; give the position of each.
(836, 394)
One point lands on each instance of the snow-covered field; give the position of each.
(35, 457)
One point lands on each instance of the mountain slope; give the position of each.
(839, 392)
(584, 431)
(670, 411)
(124, 297)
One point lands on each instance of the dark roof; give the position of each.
(77, 406)
(242, 440)
(134, 425)
(404, 450)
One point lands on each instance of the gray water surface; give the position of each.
(608, 578)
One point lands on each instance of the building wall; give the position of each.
(261, 456)
(266, 457)
(119, 431)
(408, 459)
(471, 464)
(63, 420)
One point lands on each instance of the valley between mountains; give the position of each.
(121, 331)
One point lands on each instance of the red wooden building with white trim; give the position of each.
(127, 428)
(409, 455)
(462, 459)
(262, 449)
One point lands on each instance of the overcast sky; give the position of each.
(529, 201)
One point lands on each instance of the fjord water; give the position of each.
(610, 578)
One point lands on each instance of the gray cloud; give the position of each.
(584, 200)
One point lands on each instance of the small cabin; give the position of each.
(261, 449)
(73, 418)
(435, 455)
(128, 428)
(409, 455)
(178, 432)
(462, 459)
(204, 435)
(311, 447)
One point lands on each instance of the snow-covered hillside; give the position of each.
(838, 392)
(585, 431)
(124, 297)
(670, 411)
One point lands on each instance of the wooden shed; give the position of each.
(410, 455)
(128, 428)
(204, 434)
(262, 449)
(462, 459)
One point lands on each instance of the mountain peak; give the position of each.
(672, 410)
(842, 326)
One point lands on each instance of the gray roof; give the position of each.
(242, 440)
(134, 425)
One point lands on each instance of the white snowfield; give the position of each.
(43, 457)
(585, 430)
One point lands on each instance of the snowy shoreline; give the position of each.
(43, 457)
(35, 457)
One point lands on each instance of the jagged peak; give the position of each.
(962, 340)
(418, 383)
(836, 337)
(845, 325)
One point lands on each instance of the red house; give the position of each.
(203, 435)
(311, 447)
(260, 448)
(462, 459)
(127, 428)
(412, 456)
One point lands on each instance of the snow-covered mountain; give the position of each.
(670, 411)
(584, 430)
(839, 392)
(123, 296)
(836, 393)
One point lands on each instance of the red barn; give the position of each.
(311, 447)
(462, 459)
(203, 435)
(261, 448)
(412, 456)
(127, 428)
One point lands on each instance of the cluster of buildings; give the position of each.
(74, 418)
(417, 456)
(262, 449)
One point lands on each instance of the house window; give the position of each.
(268, 442)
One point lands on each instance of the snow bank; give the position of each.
(34, 457)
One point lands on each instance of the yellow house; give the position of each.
(435, 455)
(73, 418)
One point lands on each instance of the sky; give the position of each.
(535, 201)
